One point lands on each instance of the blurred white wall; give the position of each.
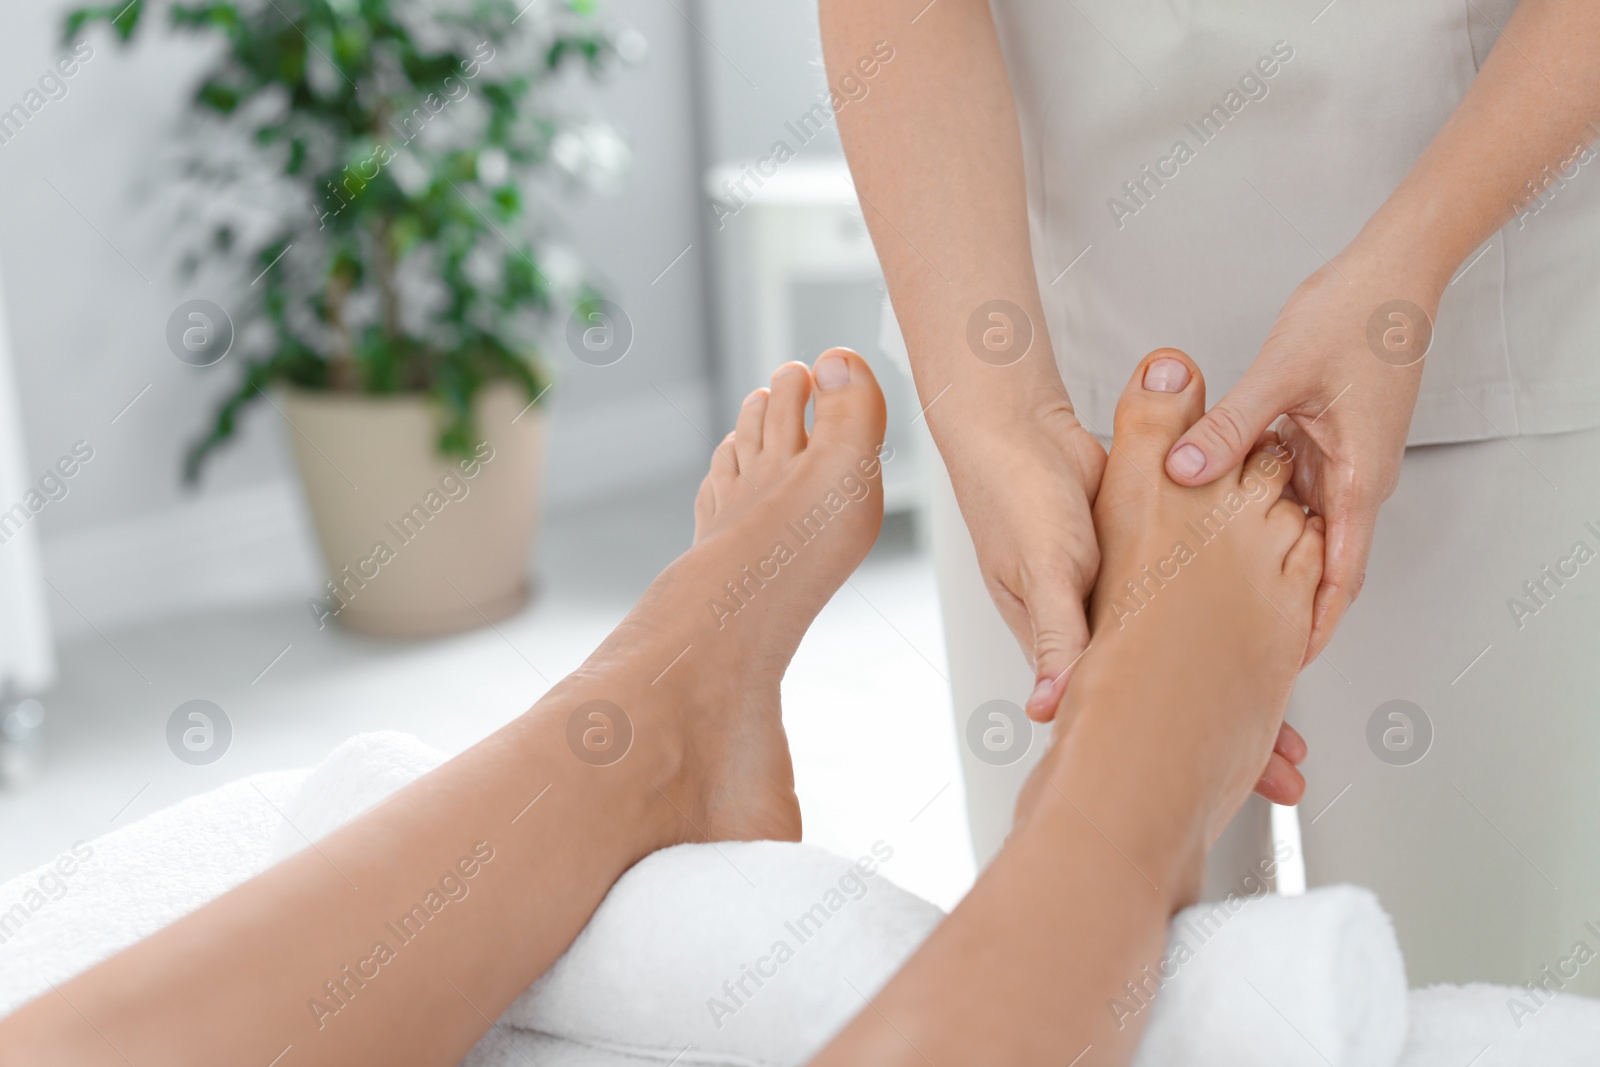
(762, 66)
(797, 273)
(88, 305)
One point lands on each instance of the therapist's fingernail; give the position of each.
(1186, 461)
(831, 372)
(1039, 699)
(1166, 376)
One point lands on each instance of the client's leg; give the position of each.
(398, 938)
(1200, 619)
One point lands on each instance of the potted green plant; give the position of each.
(386, 280)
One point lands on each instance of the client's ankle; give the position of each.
(1155, 815)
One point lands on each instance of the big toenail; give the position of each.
(832, 372)
(1166, 376)
(1186, 461)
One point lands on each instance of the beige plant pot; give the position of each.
(418, 544)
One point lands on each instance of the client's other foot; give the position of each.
(781, 520)
(1202, 611)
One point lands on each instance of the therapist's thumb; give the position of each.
(1060, 634)
(1225, 435)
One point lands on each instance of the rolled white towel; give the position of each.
(98, 897)
(358, 773)
(703, 948)
(756, 952)
(671, 957)
(1281, 981)
(1498, 1026)
(750, 952)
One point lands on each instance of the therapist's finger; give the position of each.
(1281, 782)
(1060, 635)
(1348, 542)
(1225, 434)
(1290, 745)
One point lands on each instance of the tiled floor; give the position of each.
(865, 700)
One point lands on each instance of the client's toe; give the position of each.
(1166, 396)
(1267, 470)
(785, 431)
(1303, 564)
(747, 431)
(849, 404)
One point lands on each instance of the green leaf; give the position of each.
(218, 97)
(128, 20)
(257, 374)
(123, 18)
(509, 199)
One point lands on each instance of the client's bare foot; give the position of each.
(781, 520)
(1202, 611)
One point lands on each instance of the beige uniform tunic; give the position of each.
(1188, 165)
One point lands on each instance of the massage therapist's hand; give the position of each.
(1343, 362)
(1026, 488)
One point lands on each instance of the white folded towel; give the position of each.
(681, 963)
